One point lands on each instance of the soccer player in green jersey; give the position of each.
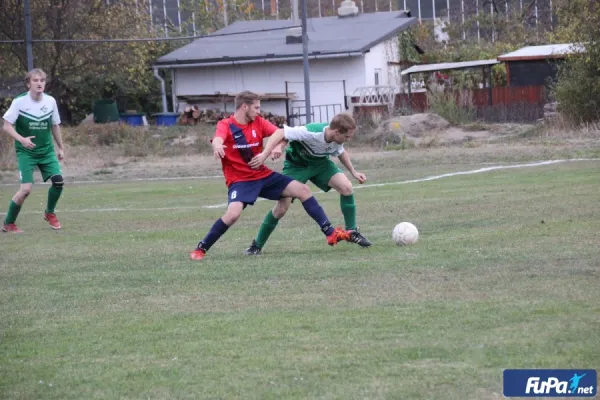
(308, 159)
(33, 120)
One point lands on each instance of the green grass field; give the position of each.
(506, 274)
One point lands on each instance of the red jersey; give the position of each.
(235, 168)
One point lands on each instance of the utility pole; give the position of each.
(28, 43)
(306, 70)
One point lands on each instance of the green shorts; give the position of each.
(47, 163)
(319, 173)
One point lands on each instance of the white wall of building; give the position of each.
(326, 76)
(376, 63)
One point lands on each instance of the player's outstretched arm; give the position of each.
(345, 160)
(278, 150)
(273, 141)
(218, 148)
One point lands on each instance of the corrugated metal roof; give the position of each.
(326, 36)
(542, 52)
(446, 66)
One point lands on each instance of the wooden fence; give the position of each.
(509, 104)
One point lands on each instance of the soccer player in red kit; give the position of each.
(237, 141)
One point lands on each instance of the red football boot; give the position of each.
(52, 220)
(197, 254)
(338, 235)
(12, 228)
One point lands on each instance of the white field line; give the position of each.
(177, 178)
(429, 178)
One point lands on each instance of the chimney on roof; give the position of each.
(294, 35)
(347, 9)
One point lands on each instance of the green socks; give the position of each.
(14, 208)
(270, 223)
(349, 210)
(53, 195)
(267, 227)
(13, 211)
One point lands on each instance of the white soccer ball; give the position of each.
(405, 234)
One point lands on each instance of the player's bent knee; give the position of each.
(24, 191)
(233, 213)
(57, 181)
(298, 190)
(281, 208)
(342, 184)
(279, 213)
(230, 218)
(346, 189)
(304, 192)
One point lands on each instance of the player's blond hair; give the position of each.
(343, 123)
(245, 97)
(36, 72)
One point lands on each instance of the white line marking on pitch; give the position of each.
(175, 178)
(429, 178)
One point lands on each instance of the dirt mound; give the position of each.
(397, 129)
(425, 129)
(416, 125)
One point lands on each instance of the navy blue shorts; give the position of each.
(269, 188)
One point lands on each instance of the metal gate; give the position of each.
(296, 109)
(320, 113)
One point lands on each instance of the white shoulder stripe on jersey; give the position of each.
(312, 152)
(35, 118)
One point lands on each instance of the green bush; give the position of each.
(455, 106)
(578, 88)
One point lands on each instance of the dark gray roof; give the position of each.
(446, 66)
(327, 35)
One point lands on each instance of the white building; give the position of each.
(345, 52)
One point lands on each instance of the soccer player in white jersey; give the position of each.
(308, 159)
(33, 120)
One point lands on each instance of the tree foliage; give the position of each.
(208, 15)
(80, 73)
(499, 32)
(578, 85)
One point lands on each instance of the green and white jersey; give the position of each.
(308, 145)
(34, 118)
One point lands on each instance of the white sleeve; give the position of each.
(55, 114)
(339, 151)
(298, 133)
(12, 113)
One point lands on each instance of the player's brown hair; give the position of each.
(35, 71)
(245, 97)
(343, 123)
